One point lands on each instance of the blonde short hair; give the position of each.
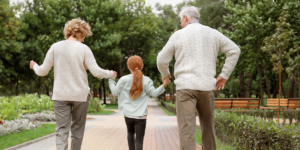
(77, 28)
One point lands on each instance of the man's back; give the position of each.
(196, 48)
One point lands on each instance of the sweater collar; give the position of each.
(191, 22)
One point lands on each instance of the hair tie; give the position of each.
(136, 68)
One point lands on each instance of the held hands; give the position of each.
(220, 83)
(167, 77)
(114, 75)
(32, 63)
(166, 80)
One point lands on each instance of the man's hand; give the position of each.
(167, 77)
(220, 83)
(166, 82)
(114, 75)
(32, 63)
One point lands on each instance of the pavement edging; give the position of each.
(30, 142)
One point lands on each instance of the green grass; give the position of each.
(25, 136)
(111, 106)
(165, 110)
(220, 145)
(105, 112)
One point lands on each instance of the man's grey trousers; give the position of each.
(70, 116)
(187, 102)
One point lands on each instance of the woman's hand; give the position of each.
(166, 81)
(32, 63)
(114, 75)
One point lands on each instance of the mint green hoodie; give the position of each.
(137, 106)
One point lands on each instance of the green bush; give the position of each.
(287, 114)
(95, 106)
(169, 106)
(11, 107)
(249, 132)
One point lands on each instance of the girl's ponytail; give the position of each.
(135, 64)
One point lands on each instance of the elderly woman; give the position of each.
(70, 96)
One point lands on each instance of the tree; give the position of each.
(11, 46)
(277, 44)
(294, 69)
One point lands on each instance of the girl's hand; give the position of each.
(32, 63)
(166, 82)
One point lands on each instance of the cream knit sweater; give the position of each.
(196, 48)
(71, 59)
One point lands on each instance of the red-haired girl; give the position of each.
(133, 93)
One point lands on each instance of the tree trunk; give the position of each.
(299, 89)
(267, 81)
(249, 85)
(104, 96)
(39, 87)
(121, 69)
(30, 87)
(283, 91)
(100, 91)
(242, 86)
(46, 87)
(11, 88)
(17, 86)
(260, 81)
(95, 91)
(275, 92)
(291, 88)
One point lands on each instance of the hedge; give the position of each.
(169, 106)
(288, 115)
(249, 132)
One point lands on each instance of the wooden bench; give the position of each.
(293, 103)
(237, 103)
(273, 103)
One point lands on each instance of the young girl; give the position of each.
(133, 93)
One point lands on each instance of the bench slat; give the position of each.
(222, 106)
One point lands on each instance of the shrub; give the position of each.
(169, 106)
(18, 125)
(249, 132)
(95, 106)
(39, 117)
(11, 107)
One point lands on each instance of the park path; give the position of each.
(108, 132)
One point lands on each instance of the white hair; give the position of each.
(191, 12)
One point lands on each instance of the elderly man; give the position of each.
(196, 48)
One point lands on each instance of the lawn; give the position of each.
(220, 145)
(111, 106)
(25, 136)
(104, 112)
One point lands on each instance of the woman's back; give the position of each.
(70, 76)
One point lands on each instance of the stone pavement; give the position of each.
(108, 132)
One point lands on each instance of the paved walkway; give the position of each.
(108, 132)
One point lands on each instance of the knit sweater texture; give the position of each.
(71, 59)
(196, 48)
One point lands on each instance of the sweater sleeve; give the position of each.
(91, 64)
(232, 52)
(152, 91)
(116, 89)
(44, 69)
(165, 56)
